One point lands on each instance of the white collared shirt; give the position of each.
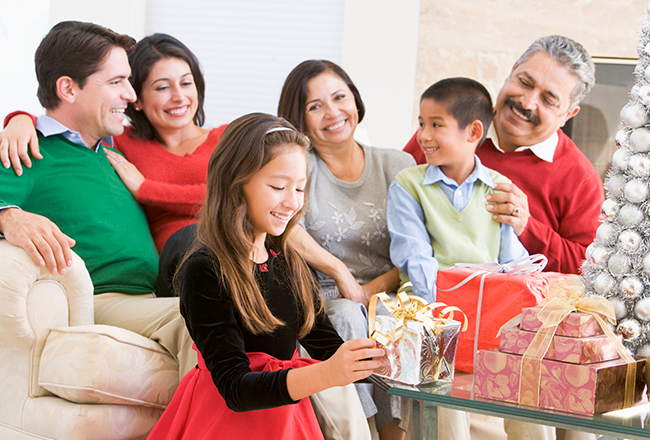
(545, 150)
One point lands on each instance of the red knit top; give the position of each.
(174, 187)
(564, 198)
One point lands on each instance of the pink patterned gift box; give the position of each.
(579, 389)
(575, 325)
(419, 355)
(562, 348)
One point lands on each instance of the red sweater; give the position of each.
(174, 189)
(564, 198)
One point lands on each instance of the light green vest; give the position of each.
(468, 236)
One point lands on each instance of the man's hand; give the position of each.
(510, 206)
(16, 140)
(39, 237)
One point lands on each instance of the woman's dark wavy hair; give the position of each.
(146, 54)
(294, 91)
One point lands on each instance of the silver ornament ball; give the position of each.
(636, 191)
(615, 185)
(599, 255)
(620, 158)
(604, 233)
(629, 329)
(639, 164)
(634, 115)
(640, 140)
(622, 136)
(618, 264)
(642, 309)
(604, 283)
(631, 287)
(629, 240)
(620, 309)
(609, 208)
(630, 215)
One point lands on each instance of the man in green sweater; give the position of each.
(75, 198)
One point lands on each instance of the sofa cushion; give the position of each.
(105, 364)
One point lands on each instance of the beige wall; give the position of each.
(482, 39)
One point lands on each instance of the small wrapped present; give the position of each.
(419, 347)
(575, 325)
(490, 295)
(573, 350)
(578, 388)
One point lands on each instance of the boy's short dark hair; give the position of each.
(73, 49)
(466, 101)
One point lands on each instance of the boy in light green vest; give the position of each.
(436, 212)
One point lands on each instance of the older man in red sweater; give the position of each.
(557, 213)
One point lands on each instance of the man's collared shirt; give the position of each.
(49, 126)
(545, 150)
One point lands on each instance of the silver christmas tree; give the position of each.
(618, 261)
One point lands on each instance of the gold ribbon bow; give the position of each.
(565, 296)
(410, 308)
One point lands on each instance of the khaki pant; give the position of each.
(158, 319)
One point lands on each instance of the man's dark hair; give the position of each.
(73, 49)
(466, 101)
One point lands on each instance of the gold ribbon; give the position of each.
(410, 308)
(564, 297)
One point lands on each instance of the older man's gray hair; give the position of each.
(569, 53)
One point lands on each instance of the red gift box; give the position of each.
(490, 297)
(579, 389)
(574, 350)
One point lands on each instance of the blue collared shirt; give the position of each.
(415, 247)
(49, 126)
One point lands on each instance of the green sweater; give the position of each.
(79, 191)
(469, 236)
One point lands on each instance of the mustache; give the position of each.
(512, 102)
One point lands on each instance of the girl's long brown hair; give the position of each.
(224, 228)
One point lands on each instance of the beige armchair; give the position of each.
(61, 376)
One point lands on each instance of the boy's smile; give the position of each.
(444, 144)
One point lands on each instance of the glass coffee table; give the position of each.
(631, 423)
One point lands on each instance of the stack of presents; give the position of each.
(529, 337)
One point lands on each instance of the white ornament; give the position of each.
(589, 252)
(620, 309)
(640, 140)
(604, 283)
(643, 94)
(629, 240)
(618, 264)
(636, 191)
(642, 309)
(622, 137)
(630, 215)
(634, 92)
(620, 158)
(599, 255)
(634, 115)
(629, 329)
(639, 164)
(615, 185)
(631, 287)
(609, 209)
(604, 233)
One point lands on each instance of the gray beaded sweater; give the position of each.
(349, 219)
